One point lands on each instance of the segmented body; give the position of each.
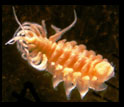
(66, 61)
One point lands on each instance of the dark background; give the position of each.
(96, 27)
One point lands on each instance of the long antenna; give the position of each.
(17, 18)
(12, 41)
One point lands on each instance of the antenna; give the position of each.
(13, 40)
(17, 18)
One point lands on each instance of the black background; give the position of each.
(97, 27)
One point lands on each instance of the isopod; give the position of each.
(66, 61)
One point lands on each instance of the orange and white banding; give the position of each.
(66, 61)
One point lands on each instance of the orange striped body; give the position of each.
(66, 61)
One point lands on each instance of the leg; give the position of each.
(42, 66)
(56, 36)
(44, 27)
(56, 28)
